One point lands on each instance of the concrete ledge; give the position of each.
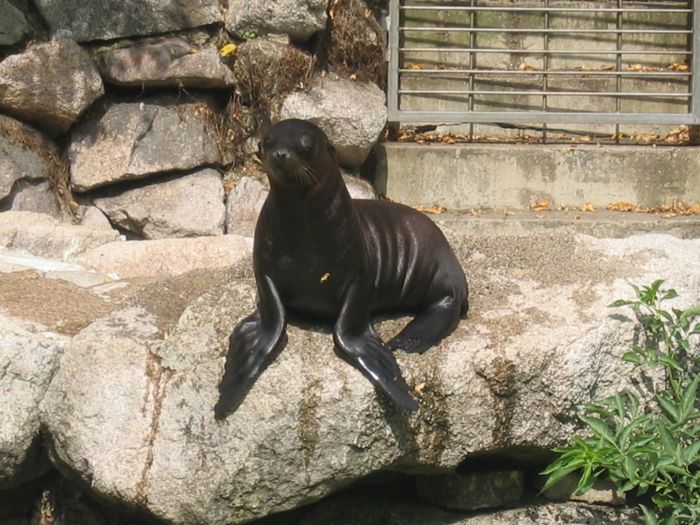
(465, 176)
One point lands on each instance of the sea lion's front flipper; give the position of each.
(358, 344)
(253, 345)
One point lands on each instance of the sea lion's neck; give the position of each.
(324, 199)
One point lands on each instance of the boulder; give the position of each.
(28, 360)
(359, 188)
(131, 409)
(167, 256)
(36, 197)
(353, 114)
(106, 20)
(472, 491)
(135, 140)
(24, 154)
(299, 19)
(168, 63)
(93, 218)
(39, 234)
(50, 83)
(13, 25)
(243, 206)
(184, 206)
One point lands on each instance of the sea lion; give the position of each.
(319, 254)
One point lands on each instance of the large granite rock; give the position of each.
(106, 20)
(50, 83)
(130, 410)
(13, 25)
(42, 235)
(299, 19)
(168, 63)
(353, 114)
(28, 360)
(25, 154)
(184, 206)
(135, 140)
(167, 256)
(243, 206)
(35, 197)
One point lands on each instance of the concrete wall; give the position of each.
(468, 176)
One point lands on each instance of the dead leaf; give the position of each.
(541, 206)
(436, 210)
(588, 207)
(418, 389)
(325, 277)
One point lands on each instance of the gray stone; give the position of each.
(50, 83)
(28, 360)
(24, 154)
(42, 235)
(167, 256)
(186, 206)
(472, 491)
(93, 218)
(169, 63)
(135, 140)
(130, 410)
(36, 197)
(299, 19)
(359, 188)
(353, 114)
(360, 511)
(602, 492)
(105, 20)
(13, 25)
(243, 206)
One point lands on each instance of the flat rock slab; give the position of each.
(352, 114)
(169, 63)
(299, 19)
(106, 20)
(24, 154)
(42, 235)
(135, 140)
(131, 409)
(185, 206)
(50, 83)
(167, 256)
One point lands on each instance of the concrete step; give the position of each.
(513, 176)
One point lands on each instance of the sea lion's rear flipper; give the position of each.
(253, 345)
(358, 344)
(429, 327)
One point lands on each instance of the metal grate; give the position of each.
(564, 61)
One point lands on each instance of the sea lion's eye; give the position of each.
(307, 142)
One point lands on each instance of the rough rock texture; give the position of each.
(36, 197)
(50, 83)
(352, 114)
(480, 490)
(359, 188)
(93, 218)
(105, 20)
(13, 25)
(167, 256)
(185, 206)
(297, 18)
(24, 154)
(39, 234)
(134, 140)
(243, 206)
(352, 511)
(28, 360)
(130, 410)
(602, 492)
(169, 63)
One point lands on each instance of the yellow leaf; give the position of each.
(228, 49)
(588, 207)
(325, 277)
(541, 206)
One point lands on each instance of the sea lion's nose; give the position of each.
(280, 154)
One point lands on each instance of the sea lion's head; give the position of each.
(295, 153)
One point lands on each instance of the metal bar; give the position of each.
(541, 51)
(695, 47)
(644, 94)
(618, 66)
(394, 62)
(546, 31)
(545, 66)
(575, 72)
(492, 117)
(550, 9)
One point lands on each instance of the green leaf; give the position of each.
(691, 313)
(632, 357)
(691, 454)
(649, 516)
(669, 294)
(668, 406)
(620, 302)
(599, 427)
(690, 397)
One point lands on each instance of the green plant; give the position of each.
(650, 452)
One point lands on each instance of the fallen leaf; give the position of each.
(587, 207)
(418, 389)
(325, 277)
(228, 49)
(431, 209)
(541, 206)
